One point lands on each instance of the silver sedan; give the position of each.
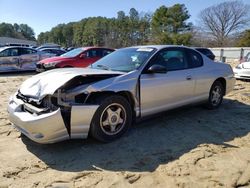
(16, 58)
(104, 99)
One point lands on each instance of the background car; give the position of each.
(207, 52)
(17, 58)
(79, 57)
(128, 84)
(48, 45)
(242, 71)
(54, 51)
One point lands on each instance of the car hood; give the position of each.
(48, 82)
(55, 59)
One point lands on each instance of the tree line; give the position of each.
(166, 25)
(224, 24)
(20, 31)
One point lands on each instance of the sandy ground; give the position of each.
(189, 147)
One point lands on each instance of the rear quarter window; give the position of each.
(194, 59)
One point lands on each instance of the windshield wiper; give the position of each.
(103, 67)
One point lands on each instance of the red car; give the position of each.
(79, 57)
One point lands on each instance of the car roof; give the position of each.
(159, 47)
(95, 47)
(52, 49)
(8, 47)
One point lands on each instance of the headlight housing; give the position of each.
(52, 64)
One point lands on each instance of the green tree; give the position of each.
(22, 31)
(244, 39)
(7, 30)
(27, 31)
(169, 25)
(67, 32)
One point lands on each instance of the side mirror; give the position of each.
(83, 56)
(157, 69)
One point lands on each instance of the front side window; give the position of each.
(172, 59)
(92, 53)
(4, 53)
(24, 51)
(73, 53)
(9, 52)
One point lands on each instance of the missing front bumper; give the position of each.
(49, 127)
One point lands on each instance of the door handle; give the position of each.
(189, 77)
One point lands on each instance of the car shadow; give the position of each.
(150, 143)
(18, 73)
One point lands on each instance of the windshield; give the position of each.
(73, 53)
(125, 60)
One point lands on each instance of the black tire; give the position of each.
(215, 95)
(108, 113)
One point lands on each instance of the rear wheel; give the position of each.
(215, 95)
(112, 119)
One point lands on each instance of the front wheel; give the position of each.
(215, 95)
(112, 119)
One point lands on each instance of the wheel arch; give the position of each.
(223, 82)
(93, 98)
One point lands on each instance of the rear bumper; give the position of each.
(50, 127)
(230, 82)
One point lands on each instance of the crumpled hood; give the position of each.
(48, 82)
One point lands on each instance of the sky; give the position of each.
(42, 15)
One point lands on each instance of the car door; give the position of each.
(9, 60)
(28, 58)
(90, 56)
(201, 74)
(162, 91)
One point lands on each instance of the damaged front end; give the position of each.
(63, 112)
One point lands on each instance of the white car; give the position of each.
(242, 71)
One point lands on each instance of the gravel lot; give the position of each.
(188, 147)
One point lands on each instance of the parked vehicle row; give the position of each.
(80, 57)
(17, 58)
(103, 99)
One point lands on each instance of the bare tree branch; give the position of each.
(225, 19)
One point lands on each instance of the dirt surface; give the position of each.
(189, 147)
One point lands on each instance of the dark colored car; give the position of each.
(207, 52)
(79, 57)
(49, 45)
(55, 51)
